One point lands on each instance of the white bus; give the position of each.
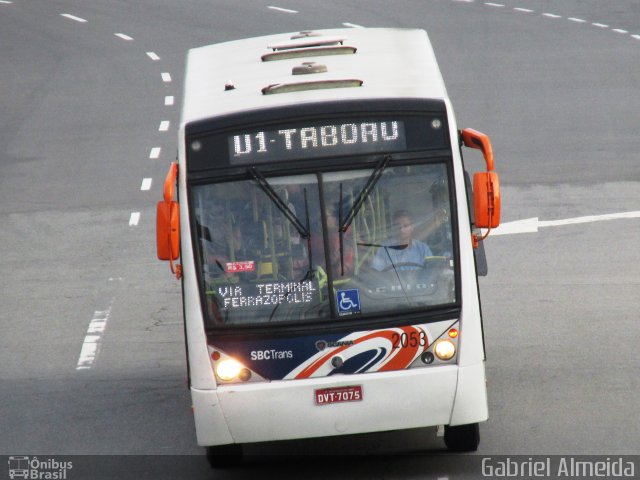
(325, 227)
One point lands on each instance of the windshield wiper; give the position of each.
(282, 206)
(303, 230)
(345, 222)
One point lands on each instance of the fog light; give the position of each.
(445, 349)
(337, 361)
(245, 375)
(228, 369)
(427, 357)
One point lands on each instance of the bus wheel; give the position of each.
(222, 456)
(462, 438)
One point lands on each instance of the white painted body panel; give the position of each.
(393, 64)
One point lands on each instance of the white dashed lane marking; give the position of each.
(91, 344)
(153, 56)
(146, 184)
(73, 17)
(134, 219)
(164, 126)
(555, 16)
(155, 153)
(124, 36)
(284, 10)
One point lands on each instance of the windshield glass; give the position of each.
(309, 247)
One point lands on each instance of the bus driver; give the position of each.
(403, 251)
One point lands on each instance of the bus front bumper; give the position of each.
(284, 410)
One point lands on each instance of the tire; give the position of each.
(224, 456)
(462, 438)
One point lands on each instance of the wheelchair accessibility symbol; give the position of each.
(348, 301)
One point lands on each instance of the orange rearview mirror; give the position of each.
(486, 186)
(168, 230)
(486, 199)
(168, 223)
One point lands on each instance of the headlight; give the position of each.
(228, 369)
(445, 349)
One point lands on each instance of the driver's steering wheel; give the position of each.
(420, 266)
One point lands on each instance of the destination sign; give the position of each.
(307, 141)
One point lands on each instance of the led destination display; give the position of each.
(315, 139)
(347, 138)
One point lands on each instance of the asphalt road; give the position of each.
(92, 350)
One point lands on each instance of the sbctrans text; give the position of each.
(271, 354)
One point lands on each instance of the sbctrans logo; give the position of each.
(40, 469)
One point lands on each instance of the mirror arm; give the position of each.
(168, 191)
(474, 139)
(170, 182)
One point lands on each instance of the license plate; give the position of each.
(326, 396)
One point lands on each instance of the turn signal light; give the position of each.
(453, 333)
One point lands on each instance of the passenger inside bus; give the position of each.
(339, 267)
(237, 251)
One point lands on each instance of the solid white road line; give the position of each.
(531, 225)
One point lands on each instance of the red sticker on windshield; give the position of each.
(246, 266)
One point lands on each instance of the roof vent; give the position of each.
(305, 34)
(309, 67)
(309, 52)
(314, 85)
(304, 42)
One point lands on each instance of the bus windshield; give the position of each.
(324, 246)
